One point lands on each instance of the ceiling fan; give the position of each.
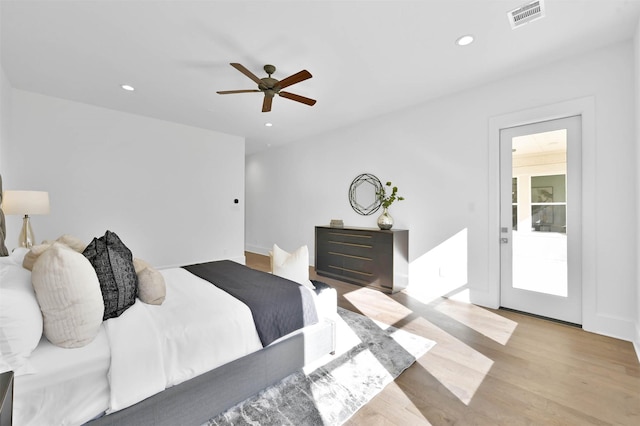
(271, 87)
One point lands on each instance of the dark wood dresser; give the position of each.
(365, 256)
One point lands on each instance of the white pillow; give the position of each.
(68, 291)
(292, 266)
(20, 316)
(31, 257)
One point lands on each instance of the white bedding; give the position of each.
(73, 392)
(142, 352)
(177, 340)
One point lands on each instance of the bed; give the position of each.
(181, 362)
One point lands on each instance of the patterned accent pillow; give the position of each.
(113, 263)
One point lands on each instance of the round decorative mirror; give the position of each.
(363, 194)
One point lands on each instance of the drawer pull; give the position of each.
(350, 235)
(350, 255)
(351, 270)
(350, 244)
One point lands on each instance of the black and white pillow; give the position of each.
(113, 263)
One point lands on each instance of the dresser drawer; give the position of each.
(349, 237)
(363, 256)
(349, 249)
(344, 242)
(347, 262)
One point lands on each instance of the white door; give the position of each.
(540, 211)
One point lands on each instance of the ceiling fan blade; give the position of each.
(246, 72)
(228, 92)
(266, 104)
(295, 78)
(298, 98)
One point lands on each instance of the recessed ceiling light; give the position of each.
(268, 124)
(464, 40)
(128, 88)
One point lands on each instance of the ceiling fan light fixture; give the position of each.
(465, 40)
(127, 87)
(268, 124)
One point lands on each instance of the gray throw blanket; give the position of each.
(279, 306)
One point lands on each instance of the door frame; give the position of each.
(565, 308)
(585, 107)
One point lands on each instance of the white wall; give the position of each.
(637, 120)
(5, 110)
(166, 189)
(438, 155)
(5, 115)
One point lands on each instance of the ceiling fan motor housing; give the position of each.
(269, 83)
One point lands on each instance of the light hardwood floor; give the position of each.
(494, 367)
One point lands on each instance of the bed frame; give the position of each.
(197, 400)
(207, 395)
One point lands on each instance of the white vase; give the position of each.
(385, 221)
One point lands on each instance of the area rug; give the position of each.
(369, 356)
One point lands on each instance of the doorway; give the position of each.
(540, 219)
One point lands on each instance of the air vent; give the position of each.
(526, 13)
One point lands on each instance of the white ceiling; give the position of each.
(554, 141)
(367, 58)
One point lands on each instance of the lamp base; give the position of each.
(26, 238)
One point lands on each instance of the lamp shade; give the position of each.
(25, 202)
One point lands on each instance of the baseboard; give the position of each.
(636, 341)
(607, 325)
(257, 250)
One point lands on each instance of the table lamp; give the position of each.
(25, 203)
